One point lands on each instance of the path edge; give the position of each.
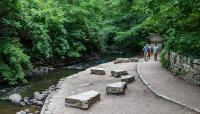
(161, 95)
(47, 100)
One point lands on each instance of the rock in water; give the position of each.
(118, 73)
(128, 78)
(15, 98)
(37, 112)
(22, 104)
(82, 100)
(18, 112)
(22, 112)
(39, 103)
(121, 60)
(98, 71)
(39, 97)
(27, 110)
(116, 88)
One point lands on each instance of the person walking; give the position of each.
(149, 51)
(145, 52)
(155, 52)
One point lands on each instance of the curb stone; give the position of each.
(161, 95)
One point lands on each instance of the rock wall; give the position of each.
(185, 67)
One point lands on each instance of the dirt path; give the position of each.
(163, 82)
(137, 100)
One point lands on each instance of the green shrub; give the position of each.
(164, 58)
(13, 62)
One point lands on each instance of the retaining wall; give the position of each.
(185, 67)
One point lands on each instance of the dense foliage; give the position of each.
(40, 30)
(37, 30)
(176, 20)
(119, 31)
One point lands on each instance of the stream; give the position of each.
(42, 82)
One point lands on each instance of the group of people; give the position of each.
(147, 50)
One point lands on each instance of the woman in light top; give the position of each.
(155, 52)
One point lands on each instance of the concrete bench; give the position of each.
(82, 100)
(128, 78)
(98, 71)
(116, 88)
(118, 73)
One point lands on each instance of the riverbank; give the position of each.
(46, 79)
(37, 84)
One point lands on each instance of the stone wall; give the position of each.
(185, 67)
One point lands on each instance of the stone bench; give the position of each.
(82, 100)
(134, 59)
(118, 73)
(116, 88)
(128, 78)
(98, 71)
(121, 60)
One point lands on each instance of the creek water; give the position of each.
(40, 83)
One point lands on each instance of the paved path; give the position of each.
(137, 100)
(163, 82)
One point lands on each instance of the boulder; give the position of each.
(32, 101)
(26, 100)
(116, 88)
(82, 100)
(27, 110)
(128, 78)
(98, 71)
(118, 73)
(45, 92)
(37, 112)
(39, 97)
(22, 112)
(3, 90)
(38, 103)
(15, 98)
(22, 104)
(121, 60)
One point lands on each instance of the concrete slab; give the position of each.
(118, 73)
(82, 100)
(121, 60)
(116, 88)
(98, 71)
(128, 78)
(134, 59)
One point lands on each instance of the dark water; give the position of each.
(40, 83)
